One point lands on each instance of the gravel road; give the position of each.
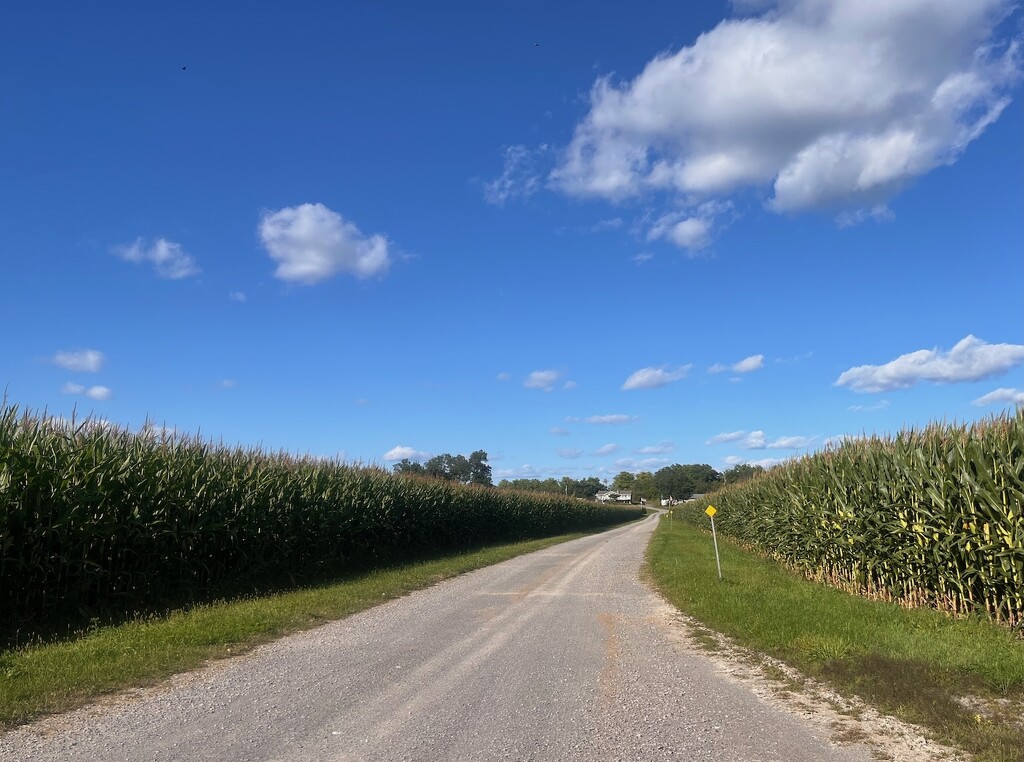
(562, 654)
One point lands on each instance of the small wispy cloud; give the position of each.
(236, 296)
(1002, 396)
(746, 365)
(558, 431)
(607, 449)
(756, 440)
(613, 223)
(690, 230)
(99, 393)
(401, 452)
(727, 436)
(882, 405)
(521, 176)
(659, 449)
(569, 452)
(543, 379)
(651, 378)
(169, 259)
(877, 213)
(643, 464)
(736, 460)
(604, 420)
(504, 377)
(82, 360)
(791, 443)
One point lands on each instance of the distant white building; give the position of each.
(607, 496)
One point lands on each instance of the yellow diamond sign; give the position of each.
(711, 511)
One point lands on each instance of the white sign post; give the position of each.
(711, 511)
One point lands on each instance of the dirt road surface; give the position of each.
(564, 654)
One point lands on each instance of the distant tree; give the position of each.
(531, 485)
(589, 487)
(624, 481)
(585, 488)
(703, 477)
(740, 473)
(644, 487)
(409, 468)
(673, 481)
(479, 470)
(453, 468)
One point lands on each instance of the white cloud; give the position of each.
(659, 449)
(236, 296)
(228, 383)
(971, 359)
(525, 471)
(83, 360)
(569, 452)
(686, 232)
(613, 419)
(611, 224)
(558, 431)
(1001, 396)
(877, 213)
(570, 385)
(168, 258)
(755, 440)
(650, 378)
(520, 178)
(401, 452)
(748, 364)
(822, 103)
(542, 379)
(791, 443)
(607, 449)
(644, 464)
(100, 393)
(504, 377)
(643, 257)
(735, 460)
(728, 436)
(311, 243)
(882, 405)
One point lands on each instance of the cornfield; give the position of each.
(98, 519)
(930, 517)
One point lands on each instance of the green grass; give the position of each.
(58, 676)
(914, 664)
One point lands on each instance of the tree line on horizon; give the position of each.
(678, 481)
(452, 468)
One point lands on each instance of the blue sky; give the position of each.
(585, 238)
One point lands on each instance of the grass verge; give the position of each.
(59, 676)
(963, 680)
